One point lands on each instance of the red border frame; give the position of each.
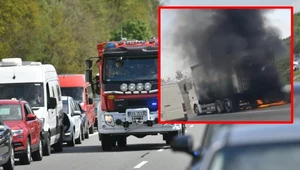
(291, 121)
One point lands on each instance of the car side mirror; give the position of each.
(183, 144)
(31, 116)
(91, 101)
(77, 113)
(52, 103)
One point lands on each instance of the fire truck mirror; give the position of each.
(88, 76)
(97, 87)
(88, 63)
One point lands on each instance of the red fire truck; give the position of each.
(128, 87)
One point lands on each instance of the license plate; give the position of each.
(136, 113)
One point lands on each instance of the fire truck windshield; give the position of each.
(130, 69)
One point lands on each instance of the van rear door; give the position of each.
(172, 103)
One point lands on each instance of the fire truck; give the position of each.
(128, 87)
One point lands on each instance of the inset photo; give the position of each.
(226, 64)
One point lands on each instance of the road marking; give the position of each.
(160, 150)
(191, 126)
(140, 164)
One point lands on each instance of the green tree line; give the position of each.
(65, 33)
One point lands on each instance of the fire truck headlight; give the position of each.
(139, 87)
(123, 87)
(147, 86)
(109, 120)
(131, 87)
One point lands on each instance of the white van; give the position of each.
(38, 84)
(173, 107)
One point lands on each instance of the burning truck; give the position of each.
(235, 51)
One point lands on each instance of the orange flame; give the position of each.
(272, 104)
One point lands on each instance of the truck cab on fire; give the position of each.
(128, 88)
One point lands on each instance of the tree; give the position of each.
(132, 29)
(179, 75)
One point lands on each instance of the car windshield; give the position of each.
(75, 92)
(258, 157)
(33, 93)
(65, 106)
(132, 68)
(10, 112)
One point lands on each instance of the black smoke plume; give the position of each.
(221, 40)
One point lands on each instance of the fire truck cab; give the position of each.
(128, 88)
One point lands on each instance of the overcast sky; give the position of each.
(279, 18)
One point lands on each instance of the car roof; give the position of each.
(258, 134)
(11, 101)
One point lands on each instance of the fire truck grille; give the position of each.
(122, 105)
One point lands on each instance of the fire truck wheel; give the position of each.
(122, 141)
(169, 137)
(106, 142)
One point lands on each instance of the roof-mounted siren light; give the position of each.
(11, 62)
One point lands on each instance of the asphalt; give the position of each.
(273, 113)
(146, 154)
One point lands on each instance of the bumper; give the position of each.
(19, 146)
(139, 129)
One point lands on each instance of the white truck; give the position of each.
(38, 84)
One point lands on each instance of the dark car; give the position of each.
(84, 122)
(251, 147)
(7, 160)
(210, 134)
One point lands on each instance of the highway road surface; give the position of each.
(273, 113)
(148, 153)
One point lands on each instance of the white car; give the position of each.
(72, 122)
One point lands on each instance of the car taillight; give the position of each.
(183, 107)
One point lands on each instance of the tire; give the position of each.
(86, 135)
(82, 135)
(106, 142)
(170, 136)
(72, 142)
(10, 164)
(58, 147)
(38, 155)
(227, 106)
(196, 110)
(79, 139)
(218, 106)
(91, 129)
(47, 147)
(122, 141)
(25, 159)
